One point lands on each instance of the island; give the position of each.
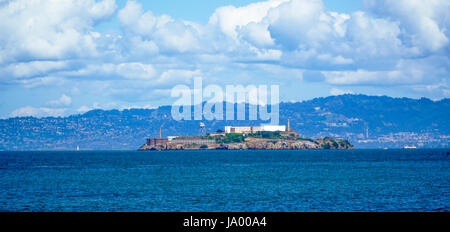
(265, 137)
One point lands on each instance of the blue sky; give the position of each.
(59, 58)
(200, 10)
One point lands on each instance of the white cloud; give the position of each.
(107, 71)
(50, 29)
(436, 90)
(84, 109)
(102, 9)
(229, 18)
(158, 33)
(135, 20)
(136, 70)
(372, 38)
(37, 112)
(33, 68)
(425, 23)
(64, 100)
(257, 34)
(41, 81)
(54, 44)
(336, 92)
(406, 72)
(375, 78)
(177, 36)
(178, 76)
(112, 105)
(139, 48)
(297, 22)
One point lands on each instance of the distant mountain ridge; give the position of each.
(366, 121)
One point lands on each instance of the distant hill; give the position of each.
(366, 121)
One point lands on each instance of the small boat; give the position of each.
(409, 147)
(78, 148)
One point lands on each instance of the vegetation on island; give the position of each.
(230, 138)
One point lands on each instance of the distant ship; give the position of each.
(78, 148)
(409, 147)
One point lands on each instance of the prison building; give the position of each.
(253, 129)
(157, 141)
(192, 140)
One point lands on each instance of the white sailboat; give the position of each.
(78, 148)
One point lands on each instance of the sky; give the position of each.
(62, 57)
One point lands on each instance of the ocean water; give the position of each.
(309, 180)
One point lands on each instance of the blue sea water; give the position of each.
(307, 180)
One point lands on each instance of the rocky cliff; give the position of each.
(260, 144)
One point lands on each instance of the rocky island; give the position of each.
(245, 138)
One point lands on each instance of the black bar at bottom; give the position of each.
(224, 221)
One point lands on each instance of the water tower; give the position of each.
(202, 130)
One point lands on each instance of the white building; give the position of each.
(273, 128)
(253, 129)
(170, 138)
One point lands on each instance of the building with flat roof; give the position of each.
(192, 140)
(273, 128)
(253, 129)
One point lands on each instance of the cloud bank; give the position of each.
(55, 44)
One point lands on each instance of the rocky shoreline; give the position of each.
(258, 144)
